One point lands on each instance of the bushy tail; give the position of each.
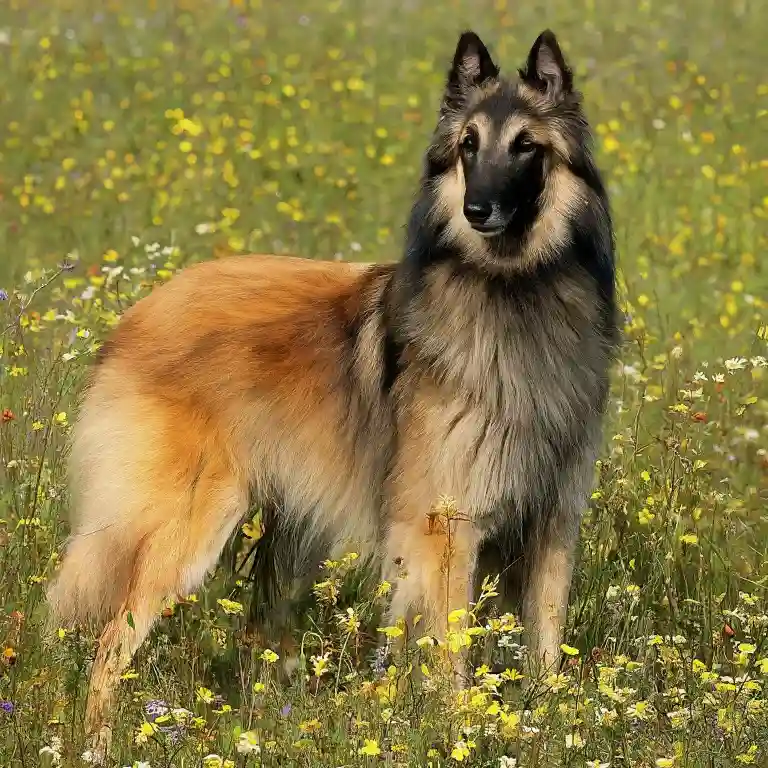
(94, 577)
(108, 466)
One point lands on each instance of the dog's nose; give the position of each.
(477, 213)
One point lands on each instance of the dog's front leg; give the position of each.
(431, 551)
(545, 602)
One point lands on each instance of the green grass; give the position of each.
(207, 128)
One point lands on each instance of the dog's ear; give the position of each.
(472, 66)
(546, 70)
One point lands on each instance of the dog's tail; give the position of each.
(122, 504)
(108, 518)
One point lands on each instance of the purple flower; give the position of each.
(3, 295)
(286, 710)
(6, 706)
(156, 708)
(380, 660)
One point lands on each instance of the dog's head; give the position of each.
(508, 155)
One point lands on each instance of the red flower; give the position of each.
(8, 415)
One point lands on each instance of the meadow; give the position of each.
(138, 137)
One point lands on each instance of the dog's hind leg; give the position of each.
(169, 561)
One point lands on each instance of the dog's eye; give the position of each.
(523, 143)
(470, 143)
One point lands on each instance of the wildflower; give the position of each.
(310, 725)
(216, 761)
(370, 747)
(573, 741)
(8, 415)
(320, 665)
(758, 362)
(3, 295)
(391, 631)
(159, 714)
(461, 750)
(231, 607)
(748, 757)
(155, 708)
(379, 666)
(349, 621)
(6, 706)
(735, 364)
(286, 709)
(52, 751)
(144, 731)
(507, 762)
(665, 762)
(248, 744)
(269, 656)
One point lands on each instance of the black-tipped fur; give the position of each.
(546, 69)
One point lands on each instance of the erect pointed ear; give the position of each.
(546, 69)
(472, 65)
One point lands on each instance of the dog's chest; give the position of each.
(518, 388)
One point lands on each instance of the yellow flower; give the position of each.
(269, 656)
(230, 606)
(320, 665)
(370, 747)
(461, 750)
(391, 631)
(310, 725)
(456, 616)
(569, 650)
(458, 640)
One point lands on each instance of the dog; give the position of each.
(348, 398)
